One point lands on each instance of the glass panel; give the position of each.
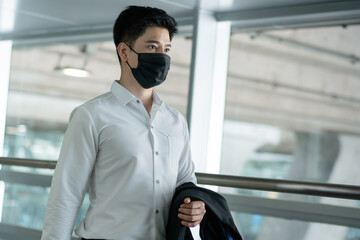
(25, 205)
(292, 107)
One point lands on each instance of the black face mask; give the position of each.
(152, 68)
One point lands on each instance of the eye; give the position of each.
(167, 50)
(152, 47)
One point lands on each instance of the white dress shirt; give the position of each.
(131, 162)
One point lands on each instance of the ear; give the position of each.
(123, 51)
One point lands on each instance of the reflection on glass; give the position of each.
(24, 142)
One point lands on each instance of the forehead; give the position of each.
(156, 34)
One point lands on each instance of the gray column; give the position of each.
(207, 89)
(5, 61)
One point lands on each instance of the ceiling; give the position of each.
(24, 21)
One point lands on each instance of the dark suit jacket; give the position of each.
(217, 223)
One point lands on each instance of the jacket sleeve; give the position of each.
(186, 171)
(70, 179)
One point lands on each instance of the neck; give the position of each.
(145, 95)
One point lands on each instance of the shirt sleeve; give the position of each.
(70, 179)
(186, 171)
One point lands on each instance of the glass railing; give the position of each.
(260, 207)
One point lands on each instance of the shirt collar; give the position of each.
(121, 93)
(157, 99)
(124, 96)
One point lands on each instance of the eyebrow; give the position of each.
(157, 42)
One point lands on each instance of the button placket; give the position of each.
(141, 107)
(155, 177)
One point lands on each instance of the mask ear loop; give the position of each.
(133, 51)
(128, 65)
(131, 48)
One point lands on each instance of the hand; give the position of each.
(191, 212)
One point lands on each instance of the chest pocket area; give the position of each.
(162, 148)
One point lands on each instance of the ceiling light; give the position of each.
(73, 72)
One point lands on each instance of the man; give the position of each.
(130, 148)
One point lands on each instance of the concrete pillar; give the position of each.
(314, 156)
(314, 160)
(345, 171)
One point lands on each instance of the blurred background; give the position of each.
(291, 103)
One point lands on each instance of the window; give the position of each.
(292, 112)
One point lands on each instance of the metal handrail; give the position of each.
(28, 162)
(280, 185)
(264, 184)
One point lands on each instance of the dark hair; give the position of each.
(134, 20)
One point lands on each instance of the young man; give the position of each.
(130, 148)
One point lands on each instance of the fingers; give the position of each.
(191, 213)
(194, 204)
(190, 218)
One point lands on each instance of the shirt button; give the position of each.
(138, 101)
(157, 211)
(151, 126)
(157, 153)
(157, 181)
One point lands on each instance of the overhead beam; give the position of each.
(305, 15)
(80, 34)
(310, 47)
